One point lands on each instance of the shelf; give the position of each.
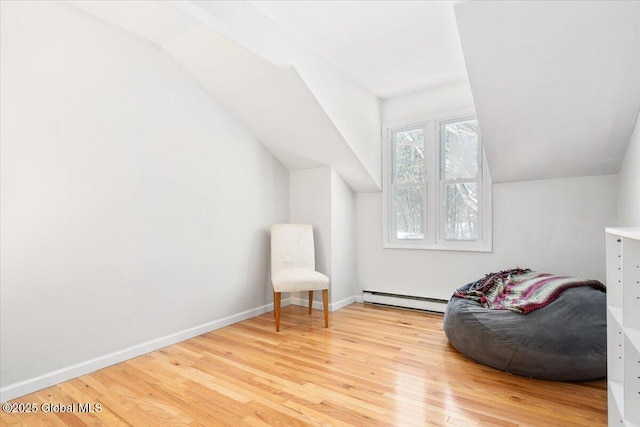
(616, 312)
(623, 325)
(630, 232)
(634, 336)
(617, 391)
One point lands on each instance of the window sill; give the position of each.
(460, 247)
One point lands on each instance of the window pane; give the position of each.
(461, 211)
(409, 206)
(409, 155)
(459, 142)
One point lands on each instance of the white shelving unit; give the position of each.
(623, 325)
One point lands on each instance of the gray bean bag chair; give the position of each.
(564, 341)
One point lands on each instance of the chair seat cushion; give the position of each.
(298, 279)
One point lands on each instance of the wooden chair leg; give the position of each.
(276, 303)
(325, 303)
(310, 301)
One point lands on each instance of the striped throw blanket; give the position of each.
(521, 290)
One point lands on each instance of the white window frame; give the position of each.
(434, 187)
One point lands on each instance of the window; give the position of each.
(437, 189)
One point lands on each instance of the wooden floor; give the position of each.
(372, 366)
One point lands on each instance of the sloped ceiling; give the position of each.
(274, 102)
(556, 85)
(390, 48)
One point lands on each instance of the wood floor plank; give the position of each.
(373, 366)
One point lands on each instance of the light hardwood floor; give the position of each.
(372, 366)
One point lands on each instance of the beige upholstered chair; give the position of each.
(293, 266)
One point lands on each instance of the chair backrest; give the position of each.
(292, 247)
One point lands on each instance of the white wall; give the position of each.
(343, 242)
(629, 184)
(549, 225)
(554, 226)
(133, 206)
(320, 197)
(310, 203)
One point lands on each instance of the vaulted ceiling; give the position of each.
(556, 85)
(295, 104)
(390, 48)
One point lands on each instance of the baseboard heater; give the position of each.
(404, 301)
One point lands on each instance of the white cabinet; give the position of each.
(623, 325)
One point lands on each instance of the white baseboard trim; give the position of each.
(342, 303)
(31, 385)
(304, 302)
